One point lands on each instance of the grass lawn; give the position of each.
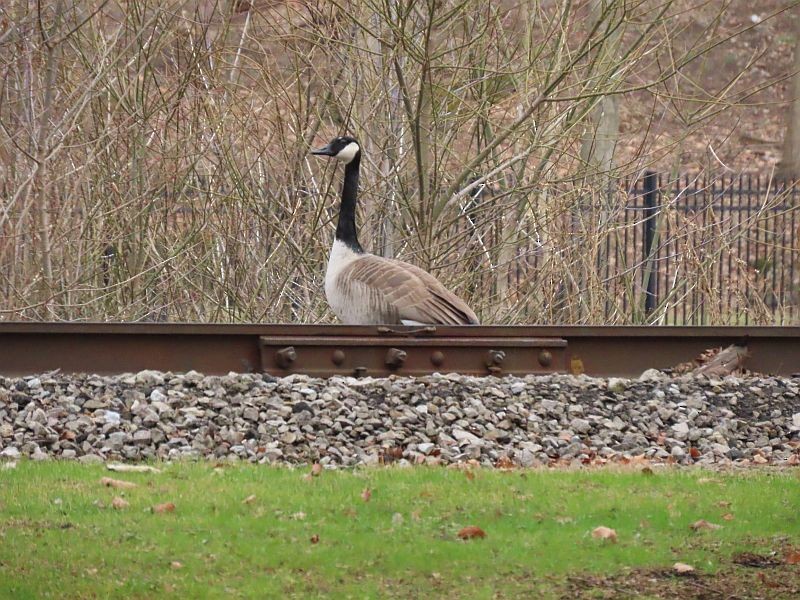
(260, 532)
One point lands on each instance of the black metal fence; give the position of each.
(688, 250)
(721, 249)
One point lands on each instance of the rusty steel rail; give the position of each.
(324, 350)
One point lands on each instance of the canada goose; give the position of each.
(364, 289)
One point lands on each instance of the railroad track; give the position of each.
(325, 350)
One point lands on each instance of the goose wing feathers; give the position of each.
(402, 292)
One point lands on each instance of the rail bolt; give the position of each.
(337, 357)
(285, 357)
(494, 360)
(359, 371)
(395, 358)
(437, 358)
(545, 358)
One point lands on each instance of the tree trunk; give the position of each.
(789, 166)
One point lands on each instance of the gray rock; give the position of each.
(149, 378)
(142, 436)
(580, 425)
(617, 385)
(425, 447)
(680, 431)
(467, 437)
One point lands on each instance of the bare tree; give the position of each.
(153, 154)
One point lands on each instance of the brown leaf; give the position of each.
(727, 517)
(166, 507)
(504, 463)
(471, 532)
(366, 494)
(250, 499)
(694, 452)
(604, 533)
(117, 483)
(176, 564)
(647, 471)
(316, 470)
(315, 538)
(682, 568)
(119, 503)
(469, 475)
(416, 515)
(792, 556)
(767, 582)
(724, 504)
(702, 524)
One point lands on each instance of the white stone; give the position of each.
(10, 452)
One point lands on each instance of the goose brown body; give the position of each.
(365, 289)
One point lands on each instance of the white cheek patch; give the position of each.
(347, 153)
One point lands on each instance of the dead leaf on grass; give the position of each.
(471, 532)
(728, 517)
(166, 507)
(469, 475)
(316, 470)
(176, 564)
(250, 499)
(724, 504)
(647, 471)
(682, 568)
(315, 538)
(702, 524)
(366, 494)
(119, 503)
(416, 515)
(767, 582)
(117, 483)
(604, 533)
(792, 557)
(397, 519)
(504, 462)
(299, 516)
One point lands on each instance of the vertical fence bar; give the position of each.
(794, 249)
(649, 236)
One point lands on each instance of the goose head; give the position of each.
(342, 148)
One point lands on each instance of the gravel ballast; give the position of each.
(531, 421)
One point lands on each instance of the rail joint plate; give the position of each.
(384, 355)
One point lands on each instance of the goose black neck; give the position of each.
(346, 228)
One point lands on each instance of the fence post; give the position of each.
(649, 223)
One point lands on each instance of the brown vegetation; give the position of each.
(153, 154)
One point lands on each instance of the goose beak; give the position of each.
(324, 151)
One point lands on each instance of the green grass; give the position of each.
(60, 538)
